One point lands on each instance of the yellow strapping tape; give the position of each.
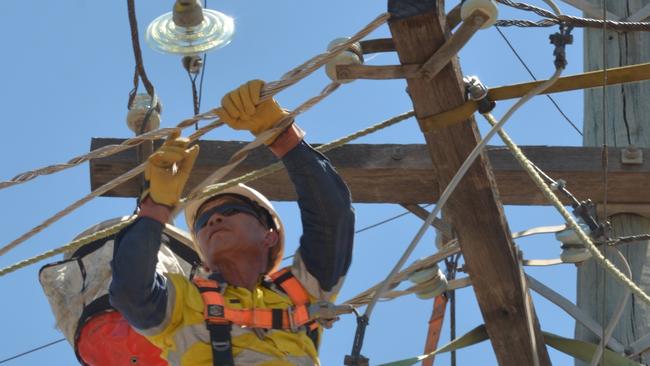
(592, 79)
(448, 118)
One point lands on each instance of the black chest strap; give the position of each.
(220, 338)
(221, 344)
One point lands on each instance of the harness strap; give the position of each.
(219, 318)
(287, 319)
(296, 292)
(220, 342)
(218, 327)
(290, 284)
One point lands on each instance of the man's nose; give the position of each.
(215, 218)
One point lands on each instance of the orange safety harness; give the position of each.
(219, 318)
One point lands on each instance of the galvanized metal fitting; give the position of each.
(192, 64)
(478, 92)
(632, 155)
(558, 185)
(187, 13)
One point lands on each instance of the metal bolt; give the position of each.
(397, 154)
(632, 155)
(480, 19)
(558, 185)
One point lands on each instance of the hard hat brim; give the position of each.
(192, 208)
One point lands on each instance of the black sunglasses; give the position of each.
(227, 209)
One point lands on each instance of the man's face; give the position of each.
(232, 234)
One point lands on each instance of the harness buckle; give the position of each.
(215, 311)
(292, 323)
(221, 346)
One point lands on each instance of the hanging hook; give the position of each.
(356, 358)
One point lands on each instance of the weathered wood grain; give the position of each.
(376, 72)
(377, 45)
(379, 173)
(626, 121)
(592, 9)
(419, 30)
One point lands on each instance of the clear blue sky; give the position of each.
(66, 72)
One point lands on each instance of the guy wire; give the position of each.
(605, 163)
(530, 72)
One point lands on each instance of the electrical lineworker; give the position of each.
(245, 312)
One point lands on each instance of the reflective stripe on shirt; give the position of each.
(185, 339)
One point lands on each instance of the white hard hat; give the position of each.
(277, 251)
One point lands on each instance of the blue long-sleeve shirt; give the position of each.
(325, 251)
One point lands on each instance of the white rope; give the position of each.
(454, 183)
(552, 198)
(200, 190)
(617, 313)
(366, 296)
(268, 91)
(554, 7)
(215, 188)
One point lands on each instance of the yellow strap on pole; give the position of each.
(448, 118)
(592, 79)
(474, 336)
(584, 351)
(580, 350)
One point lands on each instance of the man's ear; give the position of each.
(271, 238)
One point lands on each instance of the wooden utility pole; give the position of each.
(626, 122)
(419, 30)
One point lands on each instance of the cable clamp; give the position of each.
(558, 185)
(632, 155)
(560, 40)
(478, 92)
(586, 210)
(192, 64)
(327, 313)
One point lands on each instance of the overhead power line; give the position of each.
(521, 60)
(32, 350)
(383, 221)
(372, 226)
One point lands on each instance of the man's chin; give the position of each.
(219, 253)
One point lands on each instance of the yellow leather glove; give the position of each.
(241, 110)
(168, 169)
